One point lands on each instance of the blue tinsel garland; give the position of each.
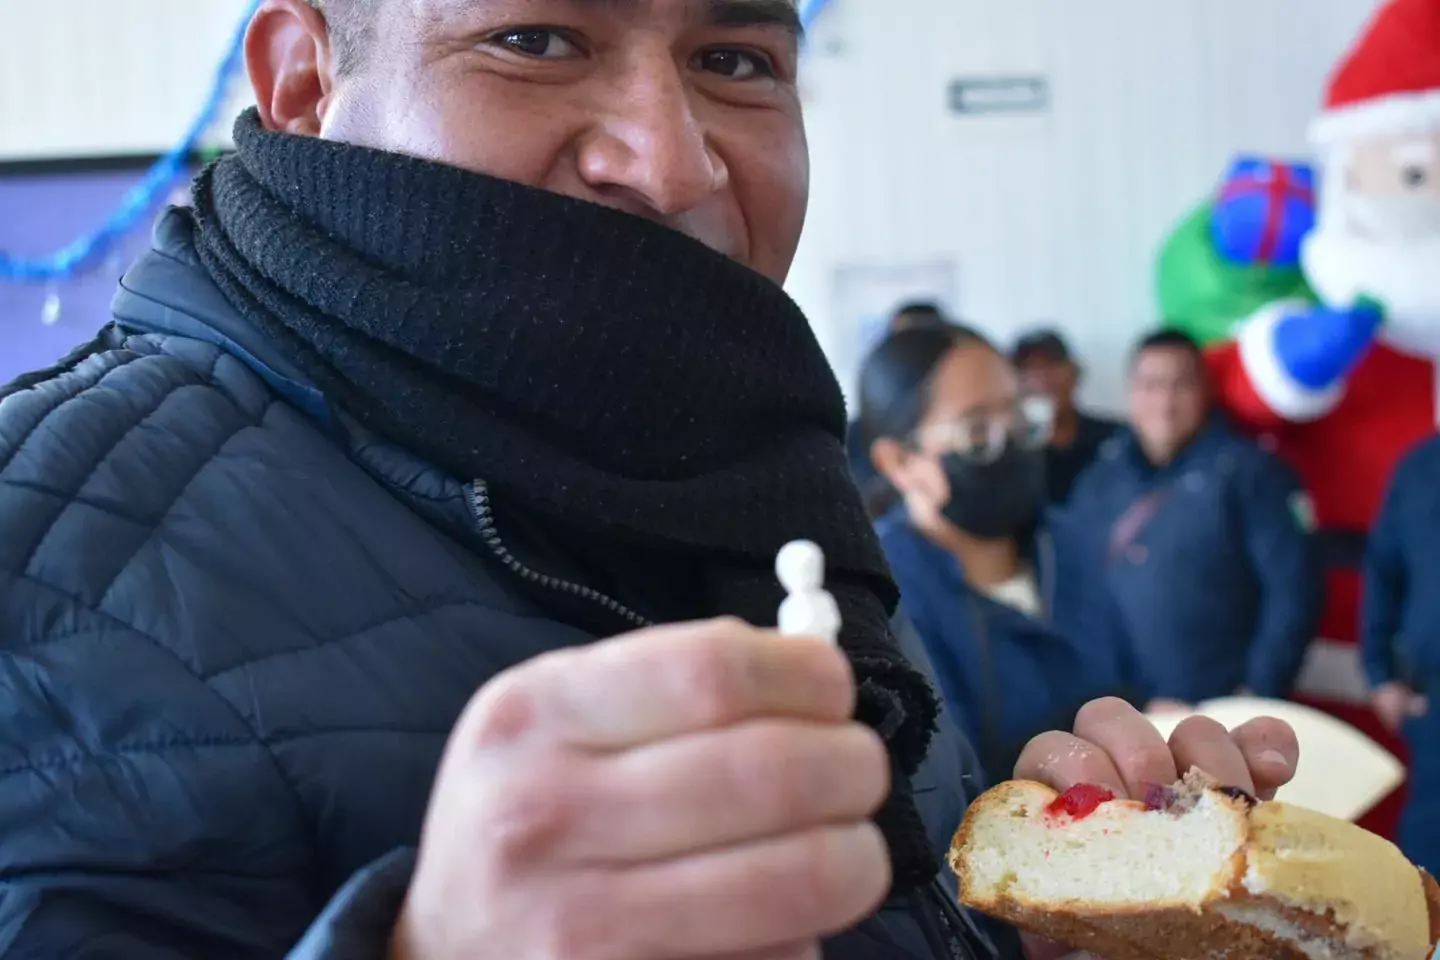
(145, 196)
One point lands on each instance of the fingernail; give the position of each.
(1275, 757)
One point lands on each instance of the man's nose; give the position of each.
(649, 147)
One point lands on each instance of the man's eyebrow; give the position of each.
(783, 14)
(755, 13)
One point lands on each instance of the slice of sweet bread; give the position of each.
(1194, 871)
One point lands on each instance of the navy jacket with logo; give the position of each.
(1207, 580)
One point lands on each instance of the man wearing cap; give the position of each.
(1047, 369)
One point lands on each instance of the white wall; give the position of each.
(1050, 216)
(1055, 215)
(108, 77)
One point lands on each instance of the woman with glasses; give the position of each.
(982, 575)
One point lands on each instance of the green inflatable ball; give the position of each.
(1204, 295)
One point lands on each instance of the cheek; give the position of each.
(926, 481)
(476, 122)
(766, 155)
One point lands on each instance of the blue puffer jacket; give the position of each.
(235, 631)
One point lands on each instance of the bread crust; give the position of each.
(1137, 932)
(1432, 902)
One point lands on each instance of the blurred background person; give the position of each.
(1048, 370)
(979, 572)
(1210, 580)
(878, 496)
(1400, 637)
(917, 313)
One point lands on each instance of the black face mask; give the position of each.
(995, 500)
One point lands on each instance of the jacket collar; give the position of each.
(1036, 548)
(1214, 436)
(168, 292)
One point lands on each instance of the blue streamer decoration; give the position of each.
(146, 195)
(810, 9)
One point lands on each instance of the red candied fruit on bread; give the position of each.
(1158, 797)
(1079, 801)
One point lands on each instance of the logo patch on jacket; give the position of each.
(1302, 508)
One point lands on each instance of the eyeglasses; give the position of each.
(983, 437)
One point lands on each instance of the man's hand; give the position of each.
(1395, 703)
(687, 791)
(1115, 746)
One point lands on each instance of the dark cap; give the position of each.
(1040, 345)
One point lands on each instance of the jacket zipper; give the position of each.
(478, 495)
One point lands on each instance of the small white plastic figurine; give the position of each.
(809, 610)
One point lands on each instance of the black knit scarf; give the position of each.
(609, 375)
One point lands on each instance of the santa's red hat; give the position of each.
(1389, 83)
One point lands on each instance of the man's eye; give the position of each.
(536, 42)
(736, 64)
(1415, 177)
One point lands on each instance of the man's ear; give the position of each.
(291, 64)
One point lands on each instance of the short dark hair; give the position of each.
(1168, 339)
(352, 28)
(896, 380)
(920, 313)
(1043, 344)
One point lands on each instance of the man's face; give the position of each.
(1052, 378)
(1167, 399)
(681, 111)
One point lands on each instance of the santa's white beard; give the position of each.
(1404, 276)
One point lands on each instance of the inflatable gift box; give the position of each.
(1263, 212)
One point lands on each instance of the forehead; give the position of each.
(1040, 360)
(729, 12)
(971, 378)
(1165, 361)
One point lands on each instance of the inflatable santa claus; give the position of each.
(1342, 388)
